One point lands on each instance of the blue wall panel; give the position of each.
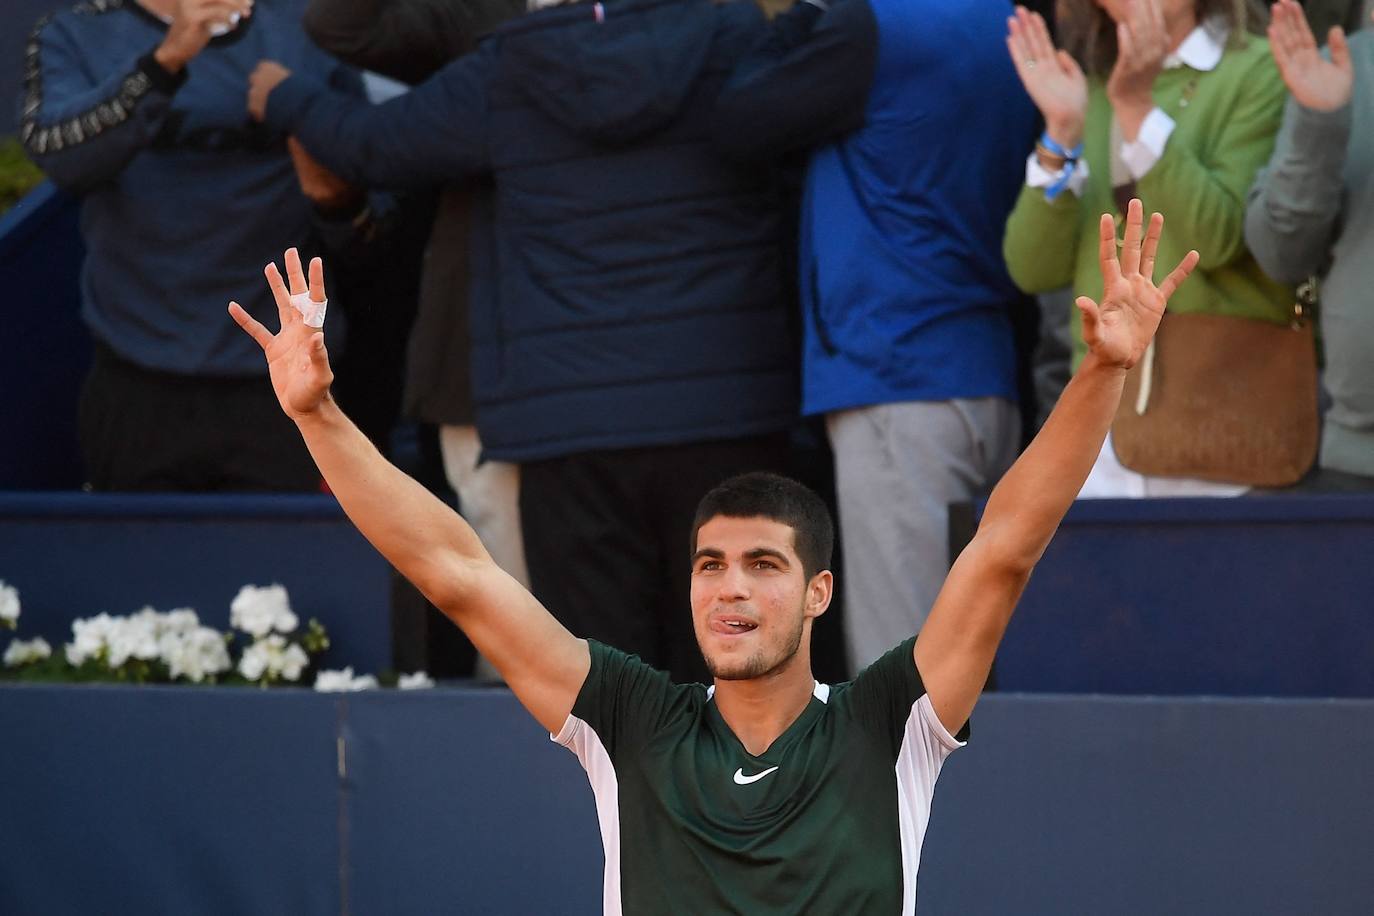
(1261, 595)
(77, 554)
(501, 819)
(223, 801)
(1148, 806)
(45, 349)
(167, 801)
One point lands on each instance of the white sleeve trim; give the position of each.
(936, 727)
(1037, 176)
(580, 738)
(567, 732)
(1141, 154)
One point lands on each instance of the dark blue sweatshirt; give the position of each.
(184, 198)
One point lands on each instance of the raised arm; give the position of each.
(1294, 208)
(955, 649)
(804, 83)
(426, 541)
(435, 133)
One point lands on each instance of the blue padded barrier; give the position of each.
(77, 554)
(506, 816)
(1258, 595)
(45, 349)
(168, 801)
(230, 801)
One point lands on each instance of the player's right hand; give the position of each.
(193, 25)
(296, 357)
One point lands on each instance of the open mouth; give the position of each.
(733, 626)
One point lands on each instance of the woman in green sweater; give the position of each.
(1179, 107)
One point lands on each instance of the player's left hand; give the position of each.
(266, 76)
(296, 357)
(1118, 331)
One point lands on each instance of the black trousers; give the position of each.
(608, 540)
(142, 430)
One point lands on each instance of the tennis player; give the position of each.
(766, 792)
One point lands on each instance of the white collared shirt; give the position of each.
(1201, 50)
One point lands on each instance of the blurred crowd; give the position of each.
(598, 256)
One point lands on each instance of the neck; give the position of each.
(760, 709)
(1180, 26)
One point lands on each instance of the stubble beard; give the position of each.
(759, 664)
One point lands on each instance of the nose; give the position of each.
(734, 585)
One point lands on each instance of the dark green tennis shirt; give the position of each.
(828, 820)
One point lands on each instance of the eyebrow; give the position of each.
(716, 553)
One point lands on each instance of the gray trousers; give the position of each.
(897, 469)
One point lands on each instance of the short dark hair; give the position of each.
(779, 499)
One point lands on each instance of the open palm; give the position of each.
(1318, 83)
(1052, 78)
(1118, 331)
(296, 357)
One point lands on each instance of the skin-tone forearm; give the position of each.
(424, 539)
(955, 648)
(1027, 505)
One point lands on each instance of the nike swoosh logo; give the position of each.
(742, 780)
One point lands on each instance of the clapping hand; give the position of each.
(1142, 44)
(296, 358)
(266, 76)
(1052, 78)
(194, 23)
(1118, 331)
(1317, 83)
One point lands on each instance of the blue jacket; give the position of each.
(919, 130)
(183, 197)
(627, 286)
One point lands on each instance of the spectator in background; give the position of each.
(913, 114)
(1312, 212)
(137, 108)
(1324, 15)
(1182, 116)
(409, 40)
(630, 336)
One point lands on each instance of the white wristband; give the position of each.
(311, 311)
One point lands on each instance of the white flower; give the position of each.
(21, 652)
(272, 657)
(343, 681)
(194, 654)
(90, 639)
(134, 636)
(9, 605)
(259, 611)
(417, 681)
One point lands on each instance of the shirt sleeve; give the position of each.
(80, 131)
(1037, 176)
(1141, 154)
(1294, 209)
(437, 132)
(805, 82)
(889, 699)
(622, 703)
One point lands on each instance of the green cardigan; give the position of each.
(1225, 124)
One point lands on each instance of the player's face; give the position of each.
(749, 596)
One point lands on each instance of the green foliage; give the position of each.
(18, 175)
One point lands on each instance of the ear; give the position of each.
(819, 591)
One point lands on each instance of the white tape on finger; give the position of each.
(312, 312)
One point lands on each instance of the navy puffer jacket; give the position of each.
(628, 289)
